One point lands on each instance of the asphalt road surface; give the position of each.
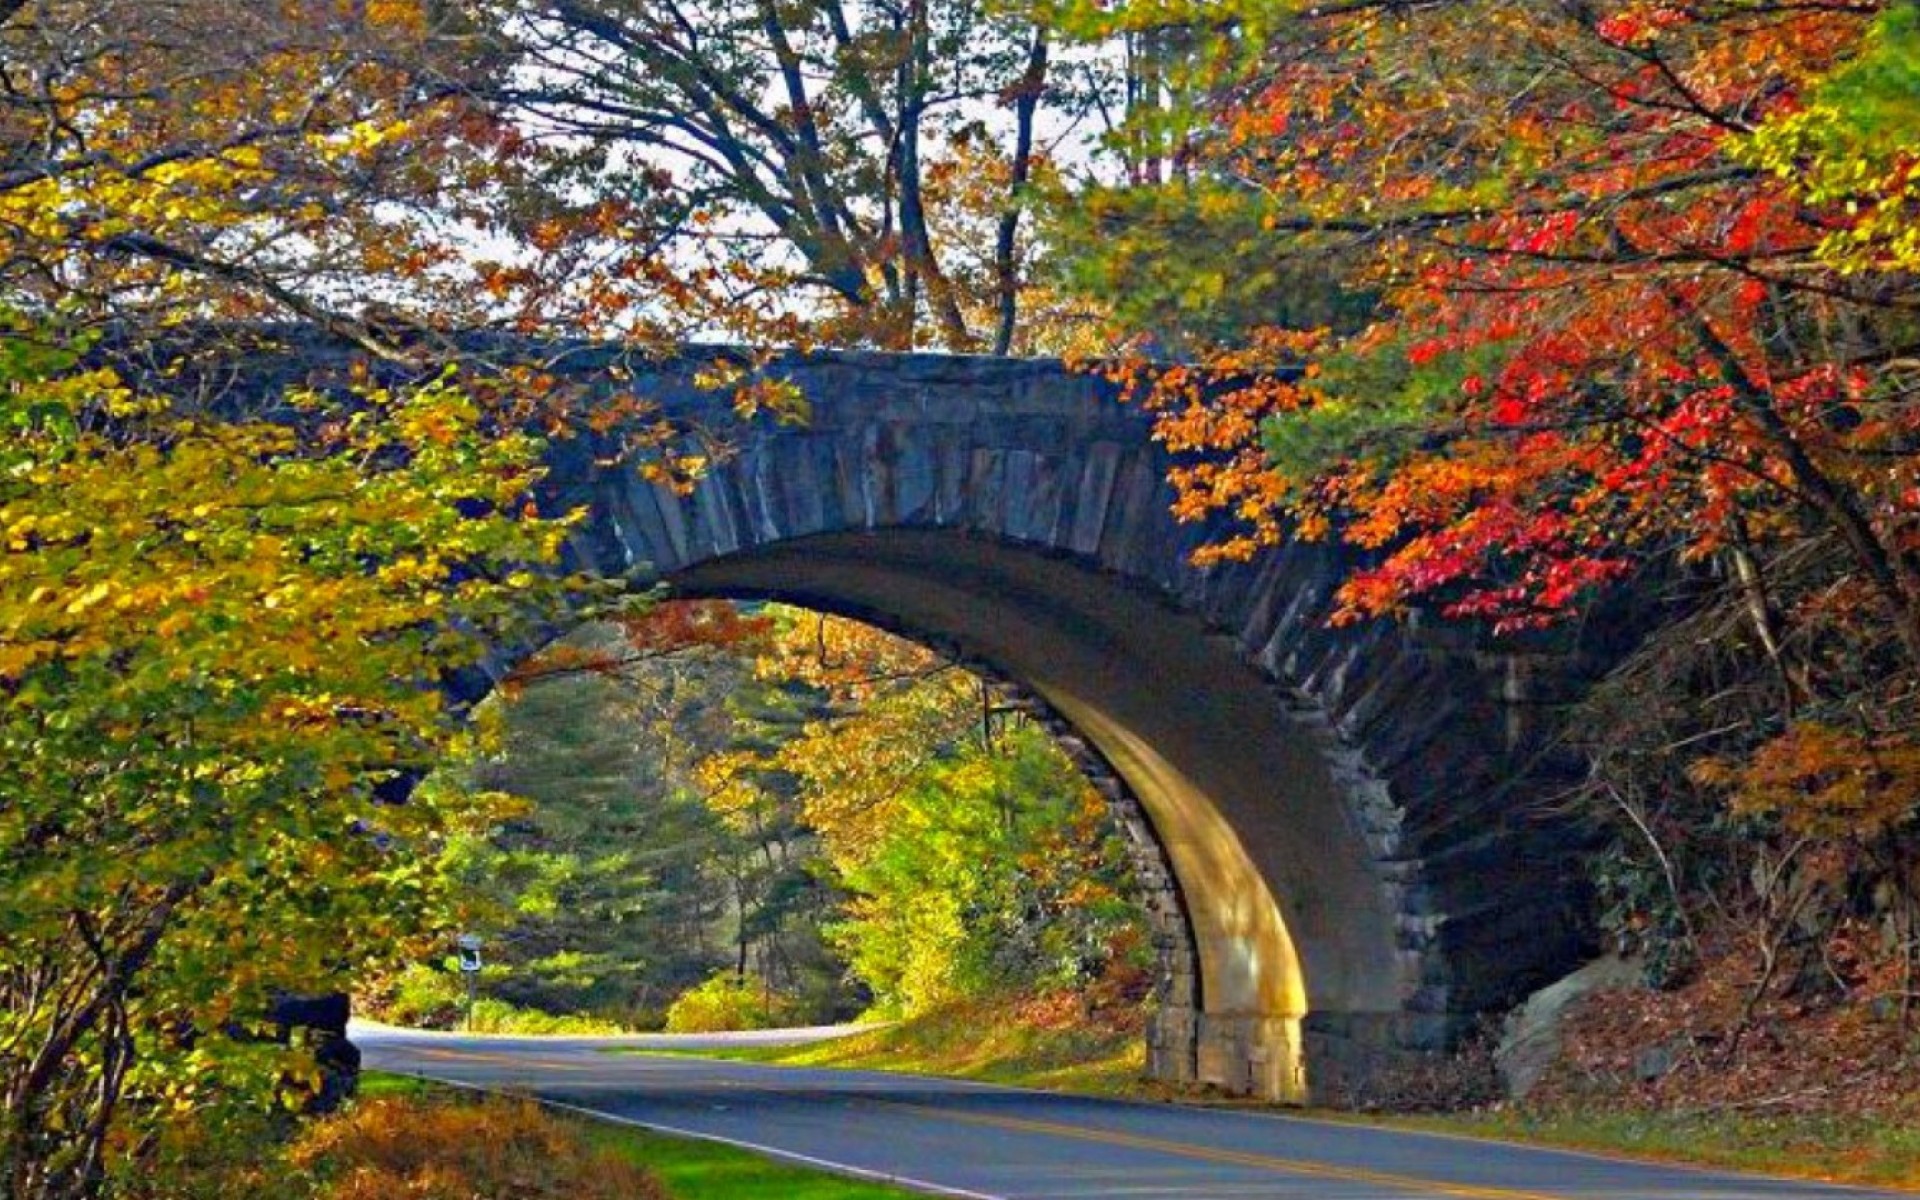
(989, 1143)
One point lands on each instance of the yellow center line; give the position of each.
(1291, 1166)
(510, 1060)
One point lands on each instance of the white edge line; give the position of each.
(805, 1160)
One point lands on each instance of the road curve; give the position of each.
(969, 1140)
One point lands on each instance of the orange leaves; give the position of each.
(1823, 781)
(385, 1148)
(1601, 334)
(200, 159)
(654, 631)
(716, 624)
(1639, 24)
(853, 662)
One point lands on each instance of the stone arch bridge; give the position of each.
(1339, 829)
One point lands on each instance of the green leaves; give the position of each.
(1851, 146)
(1193, 265)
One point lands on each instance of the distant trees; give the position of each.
(601, 893)
(803, 815)
(976, 859)
(626, 883)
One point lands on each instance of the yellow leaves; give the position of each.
(1823, 781)
(1850, 147)
(680, 474)
(779, 398)
(179, 156)
(753, 391)
(19, 535)
(122, 555)
(35, 209)
(105, 203)
(404, 15)
(87, 599)
(173, 625)
(366, 136)
(17, 657)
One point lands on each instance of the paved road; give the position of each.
(989, 1143)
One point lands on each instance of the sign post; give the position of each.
(469, 949)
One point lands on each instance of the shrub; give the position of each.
(219, 1150)
(422, 996)
(728, 1002)
(497, 1016)
(385, 1149)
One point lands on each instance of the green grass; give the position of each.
(383, 1083)
(972, 1042)
(1808, 1145)
(497, 1016)
(692, 1169)
(698, 1170)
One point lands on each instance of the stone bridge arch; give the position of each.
(1341, 828)
(1358, 869)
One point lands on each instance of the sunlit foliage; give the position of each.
(206, 695)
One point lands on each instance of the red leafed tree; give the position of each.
(1610, 318)
(1629, 286)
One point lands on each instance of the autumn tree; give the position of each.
(1641, 287)
(978, 860)
(315, 160)
(838, 173)
(211, 695)
(206, 695)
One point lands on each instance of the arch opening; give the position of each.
(761, 813)
(1293, 925)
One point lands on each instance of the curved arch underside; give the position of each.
(1286, 913)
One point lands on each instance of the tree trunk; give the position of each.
(1006, 267)
(915, 239)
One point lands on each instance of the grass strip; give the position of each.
(701, 1170)
(1829, 1148)
(967, 1042)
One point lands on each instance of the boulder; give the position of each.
(1530, 1040)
